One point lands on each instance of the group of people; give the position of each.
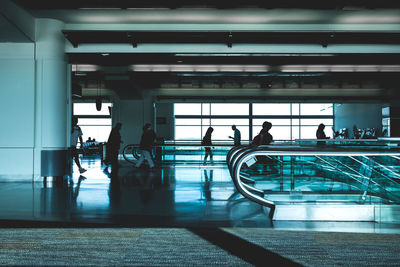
(263, 138)
(91, 142)
(148, 138)
(113, 145)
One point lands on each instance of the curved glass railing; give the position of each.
(192, 150)
(179, 151)
(347, 174)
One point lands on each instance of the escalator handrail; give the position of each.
(236, 162)
(284, 150)
(136, 147)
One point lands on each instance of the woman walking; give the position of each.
(207, 143)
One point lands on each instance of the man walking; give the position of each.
(236, 136)
(146, 143)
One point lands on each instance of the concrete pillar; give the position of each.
(52, 97)
(394, 114)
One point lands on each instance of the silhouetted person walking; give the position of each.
(113, 146)
(264, 137)
(207, 143)
(321, 134)
(76, 133)
(146, 143)
(236, 136)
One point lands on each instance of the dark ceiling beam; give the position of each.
(125, 59)
(77, 37)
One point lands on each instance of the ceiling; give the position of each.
(91, 23)
(10, 33)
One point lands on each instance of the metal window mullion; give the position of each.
(250, 122)
(291, 121)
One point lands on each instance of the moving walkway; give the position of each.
(352, 181)
(343, 180)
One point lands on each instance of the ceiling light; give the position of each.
(85, 67)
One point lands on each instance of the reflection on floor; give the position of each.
(174, 195)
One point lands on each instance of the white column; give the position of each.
(52, 99)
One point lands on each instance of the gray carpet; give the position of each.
(184, 247)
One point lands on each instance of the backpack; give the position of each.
(256, 140)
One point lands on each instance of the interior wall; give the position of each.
(165, 125)
(361, 115)
(17, 106)
(133, 114)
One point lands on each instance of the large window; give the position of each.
(290, 120)
(193, 120)
(94, 124)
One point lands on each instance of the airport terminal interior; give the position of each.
(175, 133)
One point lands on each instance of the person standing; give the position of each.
(267, 137)
(112, 147)
(321, 134)
(146, 143)
(207, 143)
(264, 137)
(76, 133)
(236, 136)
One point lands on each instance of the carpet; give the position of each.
(195, 247)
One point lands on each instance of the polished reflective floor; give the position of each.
(172, 195)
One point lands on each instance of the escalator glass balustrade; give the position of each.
(272, 175)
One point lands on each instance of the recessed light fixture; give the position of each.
(105, 54)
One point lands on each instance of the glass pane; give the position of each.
(187, 109)
(223, 132)
(316, 109)
(386, 121)
(187, 132)
(90, 109)
(220, 132)
(230, 122)
(316, 122)
(275, 122)
(296, 121)
(229, 109)
(82, 121)
(295, 109)
(256, 130)
(206, 109)
(310, 132)
(206, 122)
(187, 121)
(386, 111)
(100, 133)
(271, 109)
(280, 132)
(277, 132)
(295, 132)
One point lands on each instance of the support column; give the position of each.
(394, 120)
(52, 100)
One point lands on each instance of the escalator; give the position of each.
(297, 182)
